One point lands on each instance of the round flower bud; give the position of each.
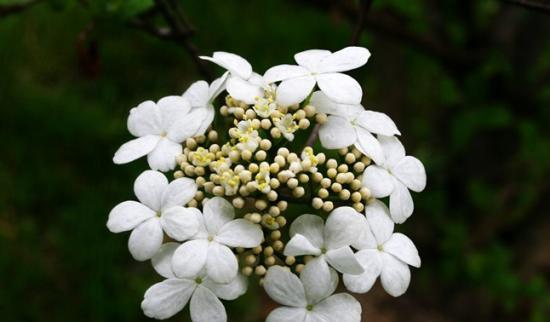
(303, 178)
(350, 158)
(257, 250)
(317, 177)
(260, 204)
(356, 196)
(212, 136)
(268, 251)
(214, 148)
(238, 112)
(359, 167)
(278, 245)
(280, 160)
(250, 114)
(260, 270)
(281, 221)
(332, 173)
(238, 202)
(272, 196)
(243, 191)
(200, 181)
(326, 182)
(283, 152)
(321, 118)
(310, 110)
(178, 174)
(274, 183)
(255, 218)
(299, 268)
(323, 193)
(336, 187)
(298, 192)
(256, 123)
(317, 203)
(265, 124)
(191, 143)
(282, 204)
(365, 193)
(344, 194)
(250, 259)
(193, 203)
(290, 260)
(265, 144)
(253, 167)
(199, 171)
(274, 168)
(304, 124)
(292, 157)
(359, 207)
(190, 171)
(321, 157)
(292, 183)
(355, 184)
(342, 168)
(261, 155)
(275, 133)
(274, 210)
(366, 160)
(246, 155)
(331, 163)
(218, 191)
(269, 261)
(343, 151)
(328, 206)
(247, 271)
(234, 156)
(224, 111)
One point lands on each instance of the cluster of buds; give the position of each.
(244, 173)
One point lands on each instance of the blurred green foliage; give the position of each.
(467, 82)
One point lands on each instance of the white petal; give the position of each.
(395, 276)
(345, 59)
(380, 223)
(217, 86)
(163, 300)
(311, 58)
(403, 248)
(187, 126)
(323, 104)
(127, 215)
(393, 149)
(235, 64)
(243, 90)
(311, 227)
(376, 122)
(283, 72)
(340, 307)
(146, 239)
(340, 88)
(179, 223)
(221, 263)
(240, 233)
(172, 108)
(162, 261)
(319, 280)
(145, 119)
(149, 187)
(217, 212)
(366, 239)
(163, 156)
(190, 258)
(284, 287)
(206, 307)
(411, 172)
(295, 90)
(344, 261)
(287, 314)
(178, 193)
(337, 133)
(378, 180)
(208, 114)
(343, 227)
(135, 149)
(369, 145)
(197, 94)
(299, 245)
(401, 203)
(371, 261)
(229, 291)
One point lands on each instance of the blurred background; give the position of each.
(467, 82)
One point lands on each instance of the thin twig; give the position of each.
(364, 7)
(9, 9)
(533, 5)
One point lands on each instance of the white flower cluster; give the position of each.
(237, 185)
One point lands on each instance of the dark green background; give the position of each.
(467, 82)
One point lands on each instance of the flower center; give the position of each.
(380, 248)
(323, 250)
(198, 280)
(309, 307)
(210, 238)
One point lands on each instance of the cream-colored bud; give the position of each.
(326, 182)
(341, 178)
(256, 123)
(260, 270)
(366, 160)
(304, 124)
(323, 193)
(269, 261)
(317, 203)
(332, 164)
(193, 203)
(214, 148)
(199, 171)
(350, 158)
(199, 195)
(292, 157)
(247, 271)
(274, 183)
(303, 178)
(328, 206)
(343, 168)
(299, 268)
(306, 164)
(310, 110)
(251, 186)
(344, 194)
(234, 156)
(332, 173)
(200, 138)
(250, 259)
(268, 251)
(321, 157)
(246, 155)
(250, 114)
(278, 245)
(317, 177)
(218, 191)
(280, 160)
(238, 112)
(190, 171)
(336, 187)
(224, 111)
(272, 196)
(265, 144)
(257, 250)
(359, 167)
(191, 143)
(359, 207)
(274, 210)
(356, 153)
(243, 191)
(255, 218)
(265, 124)
(209, 186)
(321, 118)
(253, 167)
(299, 115)
(181, 158)
(282, 204)
(238, 202)
(200, 181)
(283, 152)
(274, 168)
(365, 193)
(298, 192)
(292, 183)
(275, 133)
(178, 174)
(261, 155)
(343, 151)
(260, 204)
(275, 235)
(356, 196)
(290, 260)
(212, 136)
(355, 184)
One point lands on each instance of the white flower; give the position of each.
(323, 68)
(163, 300)
(248, 136)
(383, 253)
(287, 126)
(309, 298)
(262, 179)
(242, 84)
(210, 247)
(331, 242)
(160, 209)
(264, 107)
(160, 128)
(394, 176)
(230, 182)
(352, 125)
(201, 96)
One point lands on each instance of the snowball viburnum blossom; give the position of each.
(160, 129)
(160, 209)
(163, 300)
(352, 125)
(323, 68)
(309, 298)
(330, 241)
(210, 248)
(382, 253)
(242, 84)
(395, 177)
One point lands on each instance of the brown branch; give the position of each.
(10, 9)
(532, 5)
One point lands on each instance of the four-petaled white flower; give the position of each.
(323, 68)
(160, 128)
(382, 253)
(352, 125)
(242, 84)
(330, 241)
(160, 209)
(210, 247)
(163, 300)
(201, 96)
(287, 126)
(309, 298)
(394, 177)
